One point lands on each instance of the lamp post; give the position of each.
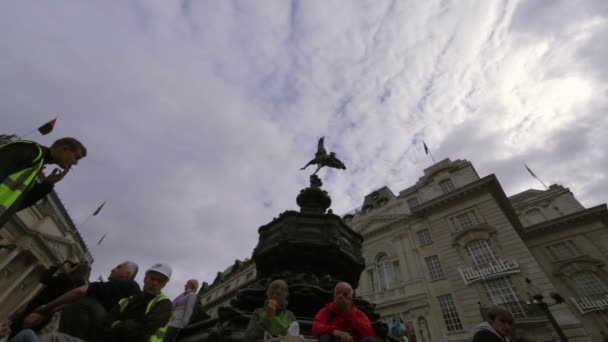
(537, 298)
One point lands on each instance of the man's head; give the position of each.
(278, 291)
(125, 271)
(191, 285)
(157, 276)
(67, 152)
(501, 320)
(343, 296)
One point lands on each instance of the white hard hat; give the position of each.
(161, 268)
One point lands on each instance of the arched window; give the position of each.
(534, 216)
(590, 285)
(388, 272)
(481, 252)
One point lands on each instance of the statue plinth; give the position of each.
(312, 250)
(313, 199)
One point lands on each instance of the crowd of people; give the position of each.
(119, 310)
(113, 310)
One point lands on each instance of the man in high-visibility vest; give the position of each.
(144, 317)
(22, 161)
(139, 318)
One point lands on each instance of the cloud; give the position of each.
(198, 115)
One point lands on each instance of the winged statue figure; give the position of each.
(322, 158)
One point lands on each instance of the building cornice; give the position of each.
(386, 221)
(599, 212)
(489, 183)
(549, 194)
(430, 173)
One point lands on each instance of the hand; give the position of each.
(343, 304)
(56, 176)
(71, 261)
(41, 309)
(33, 320)
(72, 265)
(342, 336)
(271, 308)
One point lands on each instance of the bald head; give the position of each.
(125, 271)
(343, 288)
(343, 296)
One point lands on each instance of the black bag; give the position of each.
(197, 312)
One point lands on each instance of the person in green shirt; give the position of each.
(273, 317)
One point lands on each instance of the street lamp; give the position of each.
(537, 299)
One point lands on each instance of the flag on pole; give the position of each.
(99, 209)
(100, 240)
(426, 149)
(47, 127)
(532, 173)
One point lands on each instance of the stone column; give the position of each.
(8, 291)
(9, 258)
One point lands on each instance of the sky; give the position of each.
(197, 115)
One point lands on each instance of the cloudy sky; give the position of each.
(198, 114)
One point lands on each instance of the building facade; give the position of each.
(443, 250)
(571, 244)
(225, 285)
(33, 240)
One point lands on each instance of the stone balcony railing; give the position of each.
(501, 267)
(586, 304)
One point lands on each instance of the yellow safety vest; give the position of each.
(160, 333)
(16, 184)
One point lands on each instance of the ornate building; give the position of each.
(440, 252)
(444, 249)
(571, 246)
(33, 240)
(225, 285)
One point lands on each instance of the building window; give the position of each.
(590, 285)
(563, 250)
(481, 253)
(535, 216)
(501, 291)
(424, 237)
(450, 315)
(388, 272)
(465, 220)
(446, 186)
(372, 281)
(412, 202)
(434, 266)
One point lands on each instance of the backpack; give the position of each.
(197, 313)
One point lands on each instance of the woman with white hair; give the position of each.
(183, 305)
(274, 317)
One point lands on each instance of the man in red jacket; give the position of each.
(341, 320)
